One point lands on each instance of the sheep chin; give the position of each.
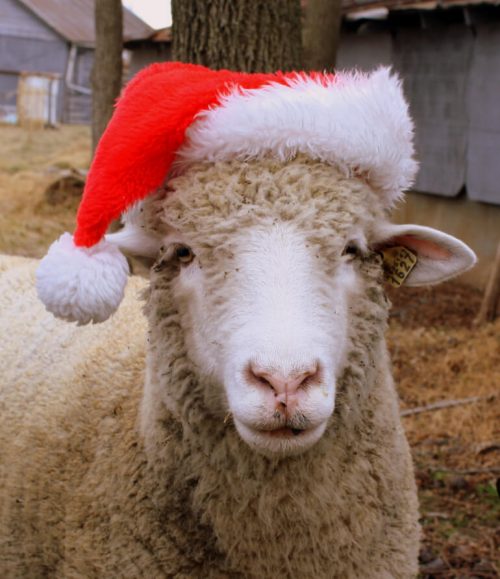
(263, 442)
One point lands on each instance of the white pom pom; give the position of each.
(82, 284)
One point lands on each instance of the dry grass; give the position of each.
(439, 355)
(436, 355)
(29, 161)
(458, 363)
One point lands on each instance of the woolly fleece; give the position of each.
(99, 480)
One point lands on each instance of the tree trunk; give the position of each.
(491, 300)
(246, 35)
(321, 33)
(107, 70)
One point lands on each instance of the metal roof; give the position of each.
(355, 6)
(74, 20)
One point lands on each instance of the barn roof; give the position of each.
(74, 20)
(355, 6)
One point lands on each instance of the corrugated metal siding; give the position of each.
(16, 20)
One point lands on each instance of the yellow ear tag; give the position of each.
(398, 263)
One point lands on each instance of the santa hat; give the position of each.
(187, 113)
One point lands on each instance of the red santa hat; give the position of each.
(187, 113)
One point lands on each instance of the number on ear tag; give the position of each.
(398, 263)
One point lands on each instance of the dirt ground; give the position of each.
(437, 355)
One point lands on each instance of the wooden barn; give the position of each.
(48, 45)
(448, 55)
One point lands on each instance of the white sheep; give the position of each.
(266, 440)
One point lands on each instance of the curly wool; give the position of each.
(157, 484)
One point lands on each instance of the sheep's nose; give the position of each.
(285, 385)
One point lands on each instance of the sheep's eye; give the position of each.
(351, 250)
(184, 254)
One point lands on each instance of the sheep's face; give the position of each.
(263, 261)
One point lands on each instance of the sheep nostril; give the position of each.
(284, 383)
(266, 383)
(257, 378)
(312, 376)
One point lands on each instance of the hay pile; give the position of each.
(29, 161)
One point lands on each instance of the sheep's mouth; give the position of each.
(285, 432)
(282, 439)
(295, 426)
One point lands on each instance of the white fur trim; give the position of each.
(357, 121)
(82, 284)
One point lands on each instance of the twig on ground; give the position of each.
(435, 515)
(446, 404)
(486, 447)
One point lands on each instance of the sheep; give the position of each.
(210, 470)
(245, 424)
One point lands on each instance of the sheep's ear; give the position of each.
(134, 241)
(438, 256)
